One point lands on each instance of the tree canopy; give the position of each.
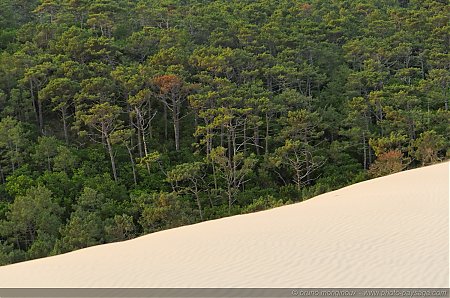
(124, 117)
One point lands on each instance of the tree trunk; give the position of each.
(33, 100)
(257, 139)
(2, 175)
(139, 135)
(176, 125)
(214, 176)
(166, 133)
(308, 86)
(140, 129)
(130, 120)
(64, 119)
(41, 117)
(229, 148)
(367, 119)
(111, 156)
(133, 167)
(208, 139)
(308, 168)
(198, 201)
(298, 179)
(145, 151)
(48, 163)
(230, 198)
(365, 150)
(267, 134)
(245, 136)
(221, 135)
(150, 128)
(233, 160)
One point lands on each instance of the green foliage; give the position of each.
(32, 222)
(45, 151)
(165, 211)
(119, 118)
(233, 170)
(428, 146)
(13, 141)
(385, 144)
(120, 228)
(18, 184)
(105, 185)
(65, 160)
(262, 203)
(62, 187)
(82, 230)
(86, 224)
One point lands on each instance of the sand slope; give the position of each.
(387, 232)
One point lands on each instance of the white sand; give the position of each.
(387, 232)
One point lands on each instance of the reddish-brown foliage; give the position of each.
(387, 163)
(305, 7)
(168, 83)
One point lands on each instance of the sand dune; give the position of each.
(387, 232)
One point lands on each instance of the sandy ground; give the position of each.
(387, 232)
